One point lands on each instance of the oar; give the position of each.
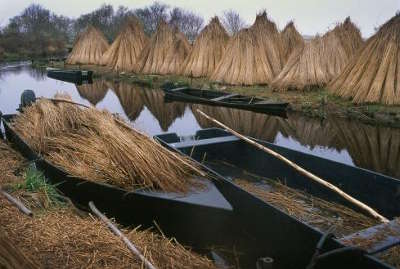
(301, 170)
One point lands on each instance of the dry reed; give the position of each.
(291, 39)
(253, 55)
(88, 48)
(124, 52)
(207, 51)
(130, 97)
(316, 212)
(94, 145)
(94, 92)
(320, 60)
(373, 76)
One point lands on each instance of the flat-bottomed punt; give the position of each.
(73, 76)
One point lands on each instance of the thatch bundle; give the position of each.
(165, 53)
(88, 48)
(130, 98)
(248, 123)
(253, 55)
(291, 39)
(94, 92)
(165, 113)
(97, 146)
(319, 60)
(374, 75)
(124, 52)
(207, 51)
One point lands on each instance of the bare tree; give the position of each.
(187, 22)
(151, 16)
(232, 21)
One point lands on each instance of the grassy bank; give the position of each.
(318, 103)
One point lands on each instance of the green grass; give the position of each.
(35, 182)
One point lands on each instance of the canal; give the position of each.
(350, 142)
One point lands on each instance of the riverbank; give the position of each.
(317, 103)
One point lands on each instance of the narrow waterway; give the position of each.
(353, 143)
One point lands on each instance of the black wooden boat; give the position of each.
(220, 98)
(73, 76)
(290, 242)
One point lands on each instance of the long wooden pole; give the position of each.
(117, 232)
(16, 203)
(301, 170)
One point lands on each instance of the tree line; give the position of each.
(38, 32)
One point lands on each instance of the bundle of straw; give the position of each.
(207, 51)
(374, 76)
(94, 145)
(291, 39)
(88, 48)
(123, 54)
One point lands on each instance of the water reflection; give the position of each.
(375, 148)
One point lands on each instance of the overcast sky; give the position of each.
(310, 16)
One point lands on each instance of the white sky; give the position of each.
(310, 16)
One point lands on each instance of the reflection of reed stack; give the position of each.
(245, 122)
(207, 50)
(165, 52)
(124, 52)
(252, 56)
(291, 39)
(88, 48)
(165, 113)
(372, 147)
(374, 76)
(94, 92)
(319, 60)
(130, 98)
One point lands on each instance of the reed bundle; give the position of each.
(165, 113)
(320, 60)
(88, 48)
(94, 145)
(94, 92)
(165, 53)
(314, 211)
(291, 39)
(124, 52)
(251, 124)
(130, 97)
(253, 55)
(373, 76)
(207, 51)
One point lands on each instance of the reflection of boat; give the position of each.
(165, 113)
(94, 92)
(219, 98)
(246, 122)
(277, 232)
(372, 147)
(73, 76)
(130, 97)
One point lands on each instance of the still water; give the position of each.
(353, 143)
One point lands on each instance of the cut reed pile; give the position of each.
(87, 243)
(94, 145)
(207, 51)
(124, 52)
(165, 53)
(253, 55)
(130, 97)
(11, 164)
(374, 75)
(291, 39)
(94, 92)
(319, 60)
(88, 48)
(316, 212)
(248, 123)
(165, 113)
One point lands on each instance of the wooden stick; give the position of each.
(301, 170)
(16, 202)
(117, 232)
